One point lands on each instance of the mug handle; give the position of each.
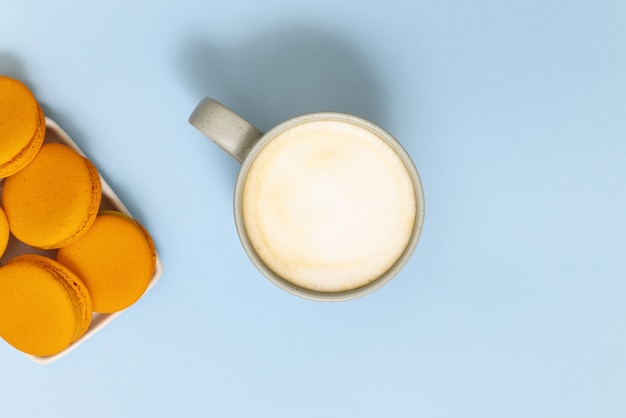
(231, 132)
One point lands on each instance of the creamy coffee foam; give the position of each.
(328, 205)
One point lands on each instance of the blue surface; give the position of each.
(514, 303)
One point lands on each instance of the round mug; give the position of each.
(328, 206)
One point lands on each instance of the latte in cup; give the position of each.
(328, 205)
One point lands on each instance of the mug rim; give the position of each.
(284, 283)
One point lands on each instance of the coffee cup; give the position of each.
(328, 206)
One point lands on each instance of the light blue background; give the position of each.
(514, 303)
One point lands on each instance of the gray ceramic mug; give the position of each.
(328, 206)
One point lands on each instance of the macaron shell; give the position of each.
(116, 259)
(53, 200)
(41, 313)
(22, 126)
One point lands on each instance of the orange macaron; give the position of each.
(22, 126)
(44, 306)
(54, 200)
(116, 259)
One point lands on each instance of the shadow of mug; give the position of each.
(284, 73)
(299, 75)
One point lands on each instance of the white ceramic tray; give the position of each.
(54, 134)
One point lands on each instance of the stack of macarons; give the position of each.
(97, 261)
(44, 306)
